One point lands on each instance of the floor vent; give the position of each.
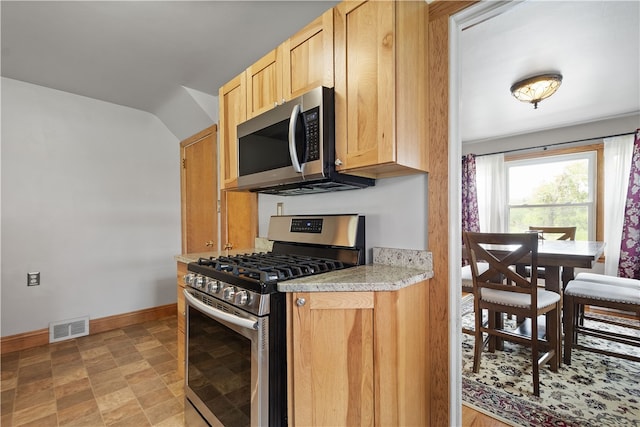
(67, 329)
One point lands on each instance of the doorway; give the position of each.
(472, 15)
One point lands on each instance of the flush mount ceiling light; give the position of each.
(535, 89)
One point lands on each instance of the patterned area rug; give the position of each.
(596, 390)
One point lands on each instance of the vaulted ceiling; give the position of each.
(139, 53)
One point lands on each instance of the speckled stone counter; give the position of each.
(392, 269)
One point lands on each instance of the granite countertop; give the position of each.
(392, 269)
(372, 277)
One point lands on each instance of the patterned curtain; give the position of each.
(470, 220)
(629, 265)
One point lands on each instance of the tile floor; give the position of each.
(124, 377)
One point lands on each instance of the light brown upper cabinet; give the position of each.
(233, 110)
(302, 62)
(264, 83)
(381, 88)
(308, 57)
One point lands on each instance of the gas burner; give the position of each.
(270, 267)
(302, 246)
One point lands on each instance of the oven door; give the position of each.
(227, 360)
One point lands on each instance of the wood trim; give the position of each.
(438, 214)
(553, 152)
(198, 136)
(40, 337)
(25, 340)
(599, 149)
(446, 8)
(291, 398)
(121, 320)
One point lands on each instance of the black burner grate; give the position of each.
(270, 267)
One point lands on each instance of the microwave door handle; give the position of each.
(292, 138)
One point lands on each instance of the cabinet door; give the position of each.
(403, 354)
(331, 358)
(264, 83)
(199, 192)
(365, 83)
(308, 57)
(239, 227)
(233, 110)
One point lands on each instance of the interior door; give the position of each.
(199, 192)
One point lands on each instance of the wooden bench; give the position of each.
(598, 290)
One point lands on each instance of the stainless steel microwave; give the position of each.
(290, 149)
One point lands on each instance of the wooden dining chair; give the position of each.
(551, 233)
(555, 233)
(521, 298)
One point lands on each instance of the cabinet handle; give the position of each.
(300, 302)
(338, 162)
(228, 246)
(209, 243)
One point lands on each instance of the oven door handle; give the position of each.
(219, 314)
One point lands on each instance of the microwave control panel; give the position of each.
(312, 133)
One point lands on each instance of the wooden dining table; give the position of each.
(560, 258)
(554, 255)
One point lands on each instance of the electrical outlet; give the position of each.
(33, 279)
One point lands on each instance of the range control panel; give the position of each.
(329, 230)
(302, 225)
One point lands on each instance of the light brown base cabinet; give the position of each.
(358, 358)
(182, 270)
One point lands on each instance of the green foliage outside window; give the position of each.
(552, 194)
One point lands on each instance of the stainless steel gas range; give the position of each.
(236, 333)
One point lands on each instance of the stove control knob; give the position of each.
(199, 282)
(242, 297)
(188, 278)
(228, 293)
(213, 286)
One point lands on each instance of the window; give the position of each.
(555, 190)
